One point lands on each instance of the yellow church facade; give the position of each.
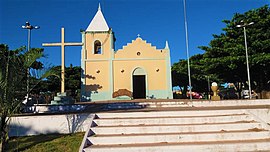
(137, 71)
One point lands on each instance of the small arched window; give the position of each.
(97, 47)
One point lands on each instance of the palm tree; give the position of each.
(13, 75)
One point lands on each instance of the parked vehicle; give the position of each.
(245, 94)
(195, 95)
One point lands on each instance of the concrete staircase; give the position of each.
(177, 130)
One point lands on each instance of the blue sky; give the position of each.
(155, 20)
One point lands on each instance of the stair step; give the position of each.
(187, 120)
(241, 145)
(164, 117)
(179, 137)
(163, 126)
(163, 104)
(137, 129)
(170, 113)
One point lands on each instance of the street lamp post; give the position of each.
(208, 84)
(29, 27)
(248, 73)
(188, 64)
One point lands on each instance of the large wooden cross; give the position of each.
(62, 44)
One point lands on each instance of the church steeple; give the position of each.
(98, 23)
(99, 8)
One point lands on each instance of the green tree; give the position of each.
(198, 74)
(13, 74)
(225, 55)
(224, 59)
(72, 81)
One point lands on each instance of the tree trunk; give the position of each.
(3, 132)
(3, 141)
(1, 146)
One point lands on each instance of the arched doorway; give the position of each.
(139, 83)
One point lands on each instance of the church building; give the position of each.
(137, 71)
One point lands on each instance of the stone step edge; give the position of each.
(176, 128)
(243, 121)
(224, 136)
(110, 122)
(202, 104)
(247, 147)
(240, 114)
(185, 133)
(182, 143)
(172, 100)
(177, 124)
(195, 117)
(166, 109)
(181, 111)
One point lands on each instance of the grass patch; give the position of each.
(46, 143)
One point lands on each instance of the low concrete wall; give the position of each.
(43, 108)
(46, 124)
(224, 103)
